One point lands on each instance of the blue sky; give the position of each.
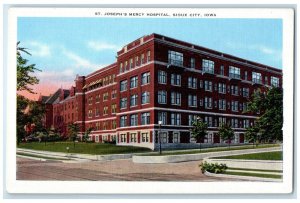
(64, 47)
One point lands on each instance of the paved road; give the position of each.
(28, 169)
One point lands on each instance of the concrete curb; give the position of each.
(195, 157)
(250, 178)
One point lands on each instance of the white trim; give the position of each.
(137, 126)
(99, 88)
(220, 57)
(126, 51)
(108, 68)
(130, 70)
(95, 120)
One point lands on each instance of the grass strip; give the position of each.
(83, 148)
(256, 156)
(259, 170)
(42, 157)
(254, 174)
(214, 149)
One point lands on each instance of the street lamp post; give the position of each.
(159, 123)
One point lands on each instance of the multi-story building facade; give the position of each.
(157, 78)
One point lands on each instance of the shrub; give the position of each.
(213, 167)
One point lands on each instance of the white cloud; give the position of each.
(53, 76)
(39, 49)
(256, 47)
(99, 46)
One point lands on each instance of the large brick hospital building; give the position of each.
(157, 78)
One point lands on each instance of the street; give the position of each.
(117, 170)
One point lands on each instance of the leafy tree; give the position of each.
(22, 118)
(85, 136)
(252, 134)
(199, 130)
(270, 106)
(226, 133)
(73, 130)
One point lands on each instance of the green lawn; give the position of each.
(254, 174)
(214, 149)
(257, 156)
(83, 148)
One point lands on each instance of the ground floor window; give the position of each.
(123, 138)
(145, 137)
(236, 138)
(97, 139)
(133, 137)
(163, 137)
(176, 137)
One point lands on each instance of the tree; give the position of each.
(24, 79)
(252, 134)
(226, 133)
(86, 134)
(270, 107)
(73, 130)
(22, 118)
(199, 130)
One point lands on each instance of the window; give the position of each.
(137, 61)
(192, 100)
(193, 63)
(133, 82)
(163, 137)
(245, 92)
(97, 126)
(123, 121)
(121, 68)
(97, 98)
(123, 138)
(176, 137)
(162, 97)
(145, 78)
(114, 124)
(208, 102)
(234, 90)
(192, 118)
(133, 137)
(234, 72)
(246, 75)
(208, 120)
(234, 105)
(145, 118)
(105, 110)
(175, 119)
(123, 85)
(162, 77)
(222, 121)
(192, 82)
(245, 107)
(134, 120)
(126, 65)
(145, 137)
(123, 103)
(221, 70)
(222, 88)
(256, 77)
(208, 85)
(234, 123)
(175, 58)
(148, 56)
(274, 81)
(142, 58)
(90, 101)
(266, 80)
(131, 63)
(162, 116)
(175, 79)
(133, 100)
(105, 96)
(145, 98)
(175, 98)
(113, 108)
(104, 125)
(114, 94)
(208, 66)
(222, 104)
(246, 123)
(90, 113)
(97, 112)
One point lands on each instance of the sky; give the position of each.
(64, 47)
